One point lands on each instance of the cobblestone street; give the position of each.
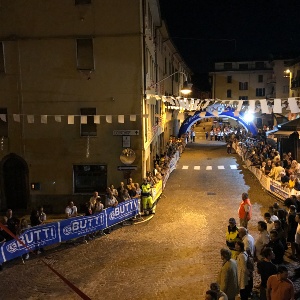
(175, 255)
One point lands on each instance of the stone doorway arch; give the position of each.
(14, 182)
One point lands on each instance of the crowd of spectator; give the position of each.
(284, 169)
(244, 255)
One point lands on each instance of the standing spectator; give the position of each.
(227, 277)
(211, 134)
(245, 210)
(275, 172)
(232, 235)
(265, 268)
(270, 224)
(211, 295)
(221, 295)
(93, 200)
(279, 286)
(71, 210)
(272, 214)
(12, 224)
(268, 167)
(229, 146)
(23, 227)
(291, 231)
(263, 239)
(99, 206)
(35, 219)
(120, 189)
(114, 191)
(242, 271)
(130, 185)
(193, 136)
(263, 167)
(297, 184)
(247, 239)
(281, 233)
(277, 248)
(187, 136)
(297, 235)
(111, 200)
(42, 214)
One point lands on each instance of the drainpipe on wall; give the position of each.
(144, 87)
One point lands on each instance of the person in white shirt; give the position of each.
(270, 224)
(98, 206)
(263, 239)
(71, 210)
(247, 239)
(273, 216)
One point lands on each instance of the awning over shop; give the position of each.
(283, 133)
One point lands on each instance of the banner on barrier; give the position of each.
(157, 190)
(53, 233)
(276, 188)
(265, 182)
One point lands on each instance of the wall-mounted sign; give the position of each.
(126, 168)
(126, 141)
(126, 132)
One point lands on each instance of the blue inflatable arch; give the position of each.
(228, 113)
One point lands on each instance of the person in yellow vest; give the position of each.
(245, 210)
(232, 236)
(146, 196)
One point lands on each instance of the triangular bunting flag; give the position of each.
(30, 119)
(109, 119)
(3, 117)
(120, 118)
(44, 119)
(70, 120)
(83, 119)
(16, 117)
(57, 119)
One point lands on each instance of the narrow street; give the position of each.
(175, 255)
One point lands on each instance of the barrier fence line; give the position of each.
(53, 233)
(271, 185)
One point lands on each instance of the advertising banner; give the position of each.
(53, 233)
(275, 187)
(157, 190)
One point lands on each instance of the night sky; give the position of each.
(212, 30)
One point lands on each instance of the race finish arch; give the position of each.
(218, 111)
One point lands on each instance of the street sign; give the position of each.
(126, 132)
(126, 141)
(126, 168)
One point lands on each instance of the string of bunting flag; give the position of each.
(266, 106)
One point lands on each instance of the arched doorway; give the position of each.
(14, 182)
(228, 113)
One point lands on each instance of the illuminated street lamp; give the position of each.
(287, 73)
(186, 88)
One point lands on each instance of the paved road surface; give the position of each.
(173, 256)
